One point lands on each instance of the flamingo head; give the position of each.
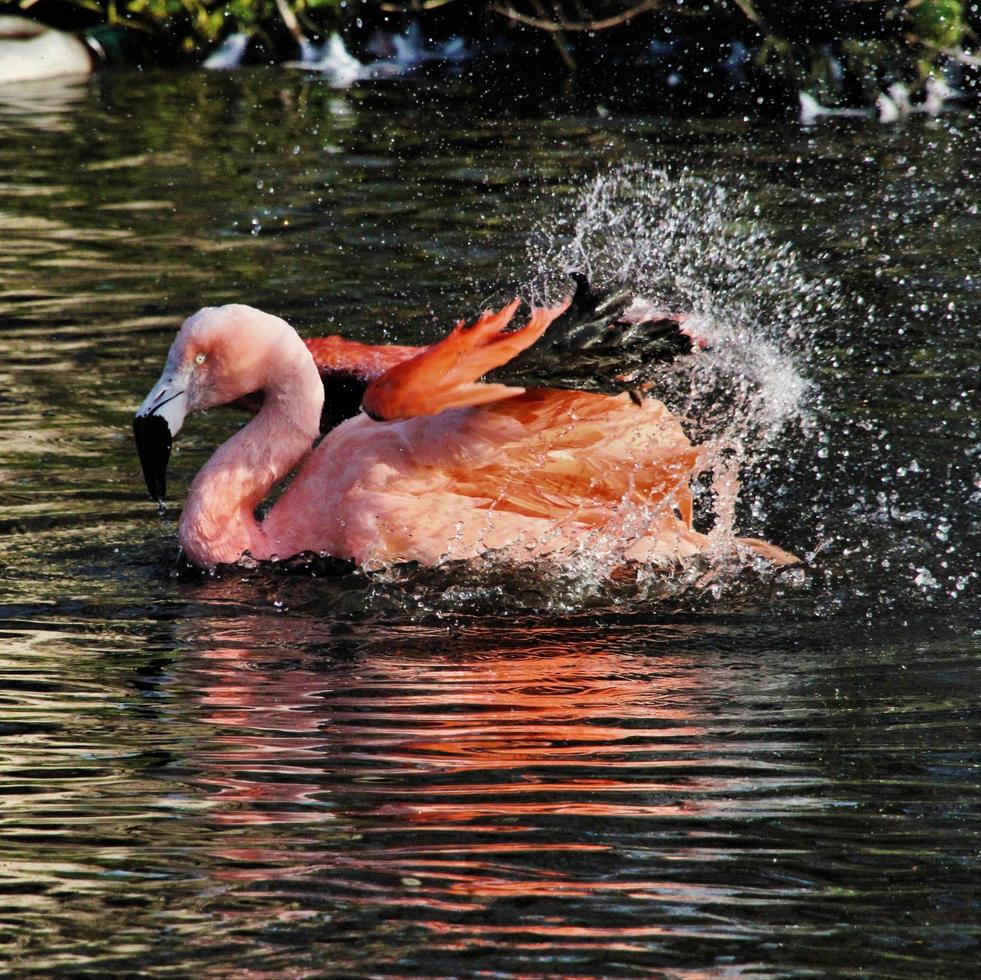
(220, 354)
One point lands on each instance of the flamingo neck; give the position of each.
(218, 525)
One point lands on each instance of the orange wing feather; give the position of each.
(444, 375)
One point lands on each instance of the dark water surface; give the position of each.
(433, 774)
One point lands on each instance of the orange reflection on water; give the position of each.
(489, 726)
(442, 776)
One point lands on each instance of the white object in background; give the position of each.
(336, 62)
(229, 53)
(887, 110)
(811, 110)
(937, 94)
(29, 51)
(453, 50)
(899, 94)
(410, 48)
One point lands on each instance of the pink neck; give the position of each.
(218, 524)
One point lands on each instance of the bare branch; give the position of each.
(558, 39)
(554, 27)
(289, 19)
(749, 10)
(413, 6)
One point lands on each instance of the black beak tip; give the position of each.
(153, 443)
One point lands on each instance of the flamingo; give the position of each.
(437, 466)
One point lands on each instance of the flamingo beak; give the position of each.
(157, 421)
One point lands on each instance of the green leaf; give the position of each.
(938, 23)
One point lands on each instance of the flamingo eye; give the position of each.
(200, 358)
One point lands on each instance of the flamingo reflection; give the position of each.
(447, 774)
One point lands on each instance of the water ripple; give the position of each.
(319, 773)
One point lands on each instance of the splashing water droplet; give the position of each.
(701, 249)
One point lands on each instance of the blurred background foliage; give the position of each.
(813, 42)
(935, 23)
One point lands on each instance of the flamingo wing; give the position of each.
(599, 339)
(338, 355)
(445, 375)
(580, 455)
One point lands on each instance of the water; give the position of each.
(447, 773)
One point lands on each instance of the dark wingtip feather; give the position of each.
(595, 346)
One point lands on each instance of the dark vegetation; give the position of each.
(679, 53)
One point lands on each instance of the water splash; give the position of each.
(832, 465)
(691, 246)
(703, 249)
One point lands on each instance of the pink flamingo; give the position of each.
(439, 466)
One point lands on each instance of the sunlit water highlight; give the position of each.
(438, 773)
